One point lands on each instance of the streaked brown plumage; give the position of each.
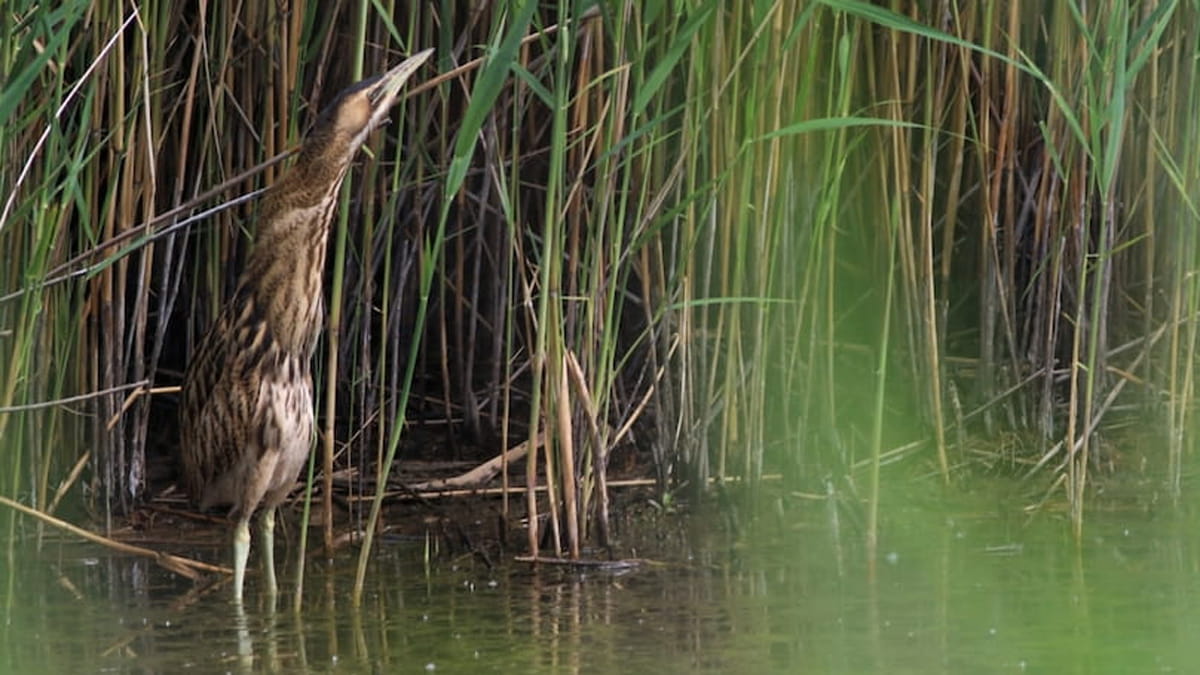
(247, 413)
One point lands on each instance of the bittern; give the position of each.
(247, 414)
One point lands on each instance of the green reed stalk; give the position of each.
(550, 349)
(334, 334)
(488, 85)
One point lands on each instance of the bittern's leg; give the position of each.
(241, 551)
(268, 548)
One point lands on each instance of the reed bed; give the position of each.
(723, 240)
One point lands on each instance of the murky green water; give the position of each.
(972, 589)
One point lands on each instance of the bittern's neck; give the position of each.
(285, 271)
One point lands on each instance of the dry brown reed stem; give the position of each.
(72, 399)
(65, 486)
(567, 451)
(642, 404)
(134, 396)
(177, 564)
(599, 451)
(552, 495)
(531, 505)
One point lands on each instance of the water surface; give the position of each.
(973, 587)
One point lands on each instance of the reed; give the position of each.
(723, 239)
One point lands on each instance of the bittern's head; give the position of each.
(344, 125)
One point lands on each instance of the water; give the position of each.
(971, 587)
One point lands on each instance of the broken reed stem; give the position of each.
(177, 564)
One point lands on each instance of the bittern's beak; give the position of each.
(384, 91)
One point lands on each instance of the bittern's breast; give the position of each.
(245, 443)
(286, 419)
(247, 403)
